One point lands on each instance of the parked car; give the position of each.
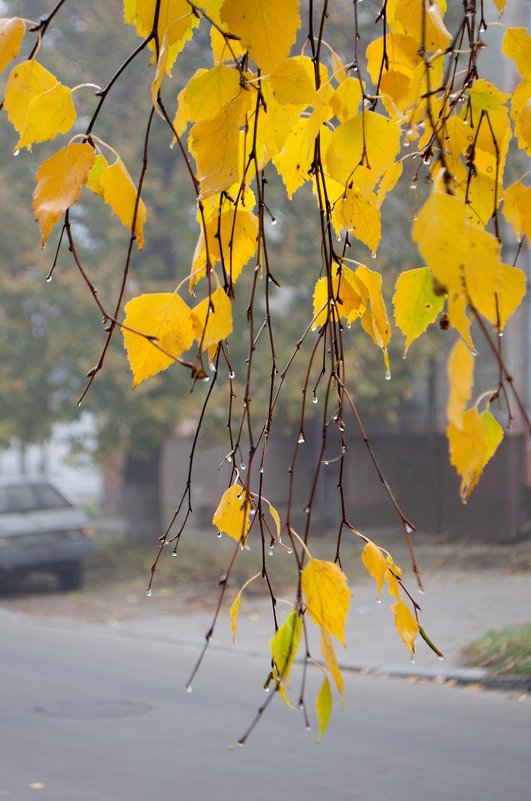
(42, 530)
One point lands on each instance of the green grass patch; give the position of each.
(502, 651)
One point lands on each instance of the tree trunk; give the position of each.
(141, 497)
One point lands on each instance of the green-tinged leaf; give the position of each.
(472, 446)
(323, 706)
(416, 304)
(284, 646)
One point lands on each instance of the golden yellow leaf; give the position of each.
(162, 63)
(439, 232)
(461, 380)
(120, 193)
(427, 28)
(517, 46)
(214, 144)
(323, 707)
(210, 91)
(406, 624)
(457, 307)
(276, 517)
(416, 304)
(485, 96)
(362, 148)
(12, 32)
(49, 114)
(212, 319)
(294, 160)
(175, 22)
(26, 81)
(375, 320)
(388, 182)
(403, 58)
(221, 51)
(235, 607)
(500, 5)
(346, 297)
(376, 564)
(233, 515)
(393, 587)
(521, 114)
(293, 81)
(231, 238)
(346, 99)
(284, 646)
(517, 208)
(327, 596)
(356, 211)
(59, 182)
(267, 28)
(472, 446)
(165, 316)
(330, 658)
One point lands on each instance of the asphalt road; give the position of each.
(86, 714)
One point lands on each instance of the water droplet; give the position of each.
(148, 592)
(426, 160)
(219, 535)
(315, 399)
(342, 427)
(290, 550)
(49, 278)
(232, 375)
(188, 688)
(174, 553)
(412, 660)
(421, 591)
(206, 379)
(378, 600)
(409, 530)
(388, 375)
(306, 510)
(500, 334)
(270, 552)
(16, 152)
(78, 404)
(407, 144)
(440, 658)
(266, 689)
(308, 727)
(301, 438)
(373, 255)
(213, 368)
(241, 546)
(413, 185)
(243, 466)
(326, 463)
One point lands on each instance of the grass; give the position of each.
(502, 651)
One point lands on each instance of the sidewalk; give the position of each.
(455, 610)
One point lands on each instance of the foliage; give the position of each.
(501, 651)
(347, 125)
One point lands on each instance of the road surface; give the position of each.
(88, 715)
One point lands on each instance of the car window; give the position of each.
(30, 498)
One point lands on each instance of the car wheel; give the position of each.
(70, 576)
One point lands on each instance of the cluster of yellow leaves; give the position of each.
(384, 571)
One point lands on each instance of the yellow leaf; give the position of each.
(327, 596)
(233, 515)
(162, 63)
(175, 22)
(294, 160)
(232, 239)
(346, 295)
(235, 607)
(393, 587)
(472, 446)
(346, 99)
(457, 306)
(293, 81)
(517, 208)
(416, 304)
(362, 148)
(426, 27)
(214, 144)
(376, 564)
(212, 319)
(374, 320)
(120, 193)
(485, 96)
(461, 380)
(500, 5)
(49, 114)
(267, 28)
(210, 91)
(330, 658)
(356, 211)
(165, 316)
(439, 232)
(284, 646)
(388, 182)
(521, 114)
(26, 81)
(402, 56)
(12, 32)
(323, 706)
(276, 517)
(220, 48)
(59, 182)
(517, 46)
(406, 625)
